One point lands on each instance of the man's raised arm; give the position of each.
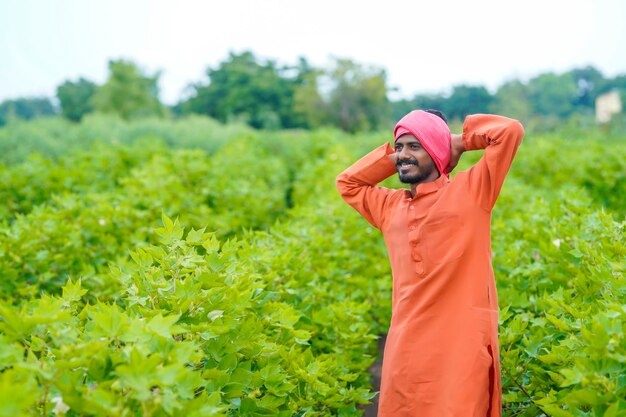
(357, 184)
(500, 137)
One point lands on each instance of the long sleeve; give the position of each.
(500, 137)
(357, 184)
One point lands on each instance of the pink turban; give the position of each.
(432, 132)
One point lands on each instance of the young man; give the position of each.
(441, 357)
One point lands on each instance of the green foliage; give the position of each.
(267, 96)
(245, 88)
(76, 98)
(128, 93)
(590, 84)
(358, 100)
(25, 109)
(271, 297)
(512, 100)
(467, 99)
(355, 100)
(562, 288)
(553, 94)
(347, 95)
(544, 103)
(308, 103)
(420, 101)
(52, 138)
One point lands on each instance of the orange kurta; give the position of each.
(442, 357)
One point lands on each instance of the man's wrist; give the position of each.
(457, 143)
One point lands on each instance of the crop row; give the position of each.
(270, 324)
(271, 300)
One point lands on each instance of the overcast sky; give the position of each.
(425, 46)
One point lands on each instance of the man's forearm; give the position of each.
(500, 137)
(357, 184)
(483, 130)
(456, 150)
(369, 170)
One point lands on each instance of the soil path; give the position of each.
(375, 370)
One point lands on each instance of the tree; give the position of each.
(266, 95)
(589, 82)
(419, 102)
(25, 108)
(75, 98)
(309, 107)
(401, 107)
(616, 83)
(552, 94)
(467, 99)
(464, 100)
(358, 97)
(512, 100)
(431, 101)
(242, 87)
(128, 92)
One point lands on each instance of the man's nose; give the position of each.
(403, 154)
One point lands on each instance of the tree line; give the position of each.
(347, 95)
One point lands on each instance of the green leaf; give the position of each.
(107, 321)
(10, 353)
(612, 410)
(195, 237)
(558, 323)
(576, 253)
(139, 373)
(164, 326)
(228, 362)
(302, 336)
(215, 314)
(170, 231)
(73, 291)
(18, 392)
(572, 376)
(349, 377)
(556, 411)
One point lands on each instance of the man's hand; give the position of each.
(456, 150)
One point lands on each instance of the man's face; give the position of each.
(413, 163)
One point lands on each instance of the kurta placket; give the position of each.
(441, 357)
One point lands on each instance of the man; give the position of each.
(441, 357)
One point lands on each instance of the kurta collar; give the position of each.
(429, 187)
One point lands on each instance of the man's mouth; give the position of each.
(405, 164)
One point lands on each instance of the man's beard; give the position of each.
(413, 178)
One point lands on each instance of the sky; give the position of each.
(424, 46)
